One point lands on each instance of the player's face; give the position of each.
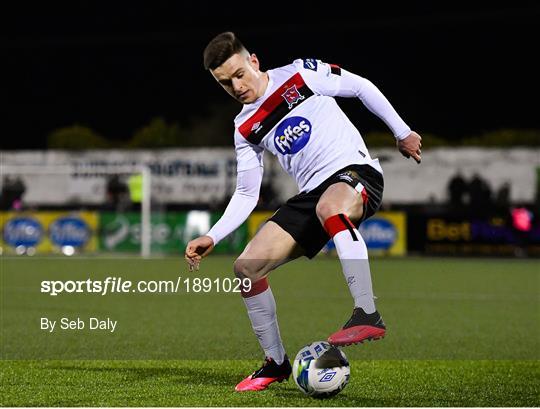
(241, 78)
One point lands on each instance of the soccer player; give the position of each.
(291, 112)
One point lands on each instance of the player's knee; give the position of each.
(245, 268)
(325, 210)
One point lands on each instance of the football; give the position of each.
(321, 370)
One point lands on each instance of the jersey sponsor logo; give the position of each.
(310, 64)
(275, 108)
(292, 135)
(292, 96)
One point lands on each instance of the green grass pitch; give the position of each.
(460, 333)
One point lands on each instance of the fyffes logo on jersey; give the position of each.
(292, 135)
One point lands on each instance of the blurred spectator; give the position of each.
(135, 186)
(13, 189)
(457, 191)
(117, 193)
(502, 200)
(537, 196)
(480, 196)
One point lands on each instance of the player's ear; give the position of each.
(254, 61)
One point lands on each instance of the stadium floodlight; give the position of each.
(35, 176)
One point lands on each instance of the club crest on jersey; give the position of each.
(292, 135)
(292, 96)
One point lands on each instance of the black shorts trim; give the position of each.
(298, 216)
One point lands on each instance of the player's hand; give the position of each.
(411, 146)
(196, 249)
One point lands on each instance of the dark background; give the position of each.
(448, 70)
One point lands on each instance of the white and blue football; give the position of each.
(321, 370)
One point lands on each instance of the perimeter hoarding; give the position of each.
(386, 233)
(42, 232)
(170, 231)
(48, 232)
(466, 235)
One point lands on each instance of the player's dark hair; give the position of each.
(220, 49)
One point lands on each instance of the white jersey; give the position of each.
(298, 121)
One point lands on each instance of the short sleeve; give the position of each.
(322, 78)
(248, 156)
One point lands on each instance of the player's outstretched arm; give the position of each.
(329, 80)
(411, 146)
(242, 203)
(196, 249)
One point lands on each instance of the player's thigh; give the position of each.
(271, 247)
(340, 198)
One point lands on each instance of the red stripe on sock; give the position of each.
(334, 224)
(256, 288)
(365, 196)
